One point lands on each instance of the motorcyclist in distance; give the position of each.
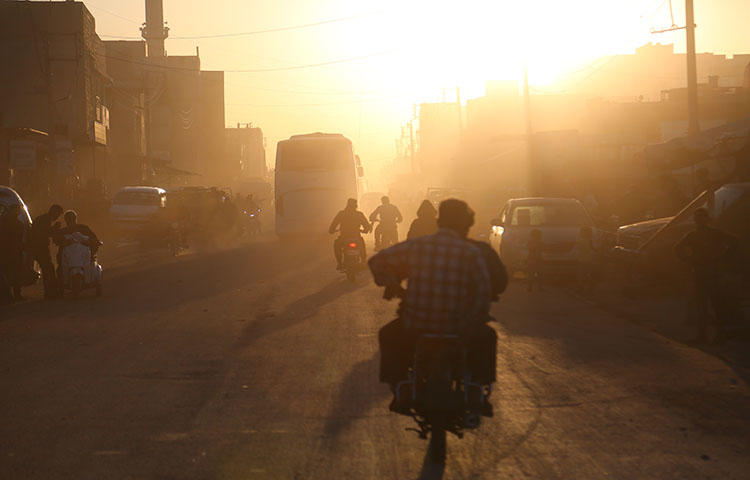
(351, 223)
(250, 203)
(389, 217)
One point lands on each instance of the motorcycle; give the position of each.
(79, 269)
(385, 236)
(251, 221)
(352, 261)
(439, 393)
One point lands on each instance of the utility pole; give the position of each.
(533, 173)
(50, 100)
(692, 74)
(460, 117)
(411, 139)
(692, 71)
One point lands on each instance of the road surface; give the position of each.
(260, 362)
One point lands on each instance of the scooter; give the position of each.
(79, 270)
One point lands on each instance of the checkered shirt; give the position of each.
(448, 282)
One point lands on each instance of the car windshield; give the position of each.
(7, 199)
(549, 215)
(138, 198)
(314, 155)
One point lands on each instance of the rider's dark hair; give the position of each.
(351, 203)
(55, 210)
(456, 215)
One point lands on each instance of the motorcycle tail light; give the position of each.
(352, 245)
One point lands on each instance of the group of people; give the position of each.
(352, 223)
(21, 246)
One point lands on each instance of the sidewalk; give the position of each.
(666, 315)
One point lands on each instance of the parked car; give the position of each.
(559, 219)
(647, 248)
(9, 197)
(134, 207)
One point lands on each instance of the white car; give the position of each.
(558, 219)
(134, 207)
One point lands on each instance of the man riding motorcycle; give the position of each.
(72, 226)
(351, 223)
(449, 291)
(386, 233)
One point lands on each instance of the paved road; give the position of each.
(261, 362)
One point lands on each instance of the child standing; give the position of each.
(585, 254)
(534, 260)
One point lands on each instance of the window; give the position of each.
(139, 198)
(549, 216)
(314, 155)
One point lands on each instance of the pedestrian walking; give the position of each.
(705, 249)
(44, 227)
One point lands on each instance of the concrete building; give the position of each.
(184, 106)
(246, 153)
(651, 69)
(53, 78)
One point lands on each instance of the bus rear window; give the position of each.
(314, 155)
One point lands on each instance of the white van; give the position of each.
(133, 207)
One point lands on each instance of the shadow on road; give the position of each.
(165, 284)
(431, 470)
(584, 334)
(357, 394)
(301, 309)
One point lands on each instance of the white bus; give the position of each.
(315, 175)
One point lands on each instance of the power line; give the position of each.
(322, 104)
(97, 7)
(255, 32)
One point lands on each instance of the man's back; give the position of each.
(703, 248)
(448, 282)
(350, 222)
(389, 214)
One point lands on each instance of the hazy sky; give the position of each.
(393, 53)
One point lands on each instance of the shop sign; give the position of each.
(100, 133)
(22, 154)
